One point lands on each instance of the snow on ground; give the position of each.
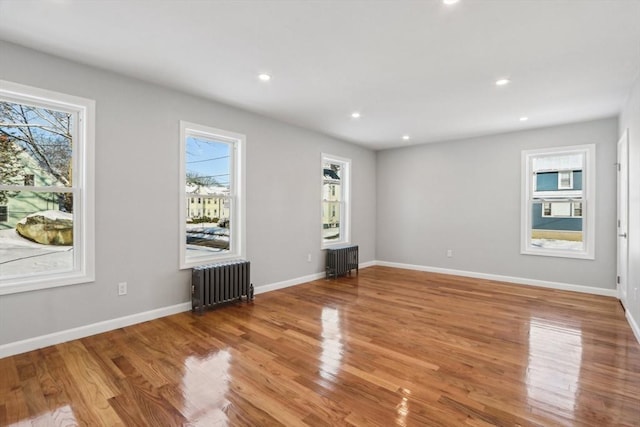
(51, 215)
(19, 255)
(330, 233)
(557, 244)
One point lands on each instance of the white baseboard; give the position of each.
(88, 330)
(367, 264)
(301, 280)
(288, 283)
(497, 277)
(634, 325)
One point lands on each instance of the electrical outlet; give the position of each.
(449, 253)
(122, 288)
(308, 257)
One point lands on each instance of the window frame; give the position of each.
(588, 200)
(345, 200)
(237, 194)
(82, 188)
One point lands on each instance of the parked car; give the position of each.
(223, 222)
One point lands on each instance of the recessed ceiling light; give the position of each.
(524, 119)
(264, 77)
(502, 82)
(406, 137)
(450, 2)
(355, 115)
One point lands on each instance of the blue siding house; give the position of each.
(558, 210)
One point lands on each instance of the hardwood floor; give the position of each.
(390, 347)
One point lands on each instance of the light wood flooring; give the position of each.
(388, 347)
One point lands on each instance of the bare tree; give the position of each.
(201, 180)
(44, 134)
(11, 170)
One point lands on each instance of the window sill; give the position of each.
(34, 283)
(558, 254)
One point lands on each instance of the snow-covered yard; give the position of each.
(19, 255)
(557, 244)
(207, 237)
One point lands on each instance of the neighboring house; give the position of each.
(330, 193)
(559, 187)
(205, 201)
(23, 203)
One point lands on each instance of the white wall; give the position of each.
(630, 119)
(465, 196)
(137, 238)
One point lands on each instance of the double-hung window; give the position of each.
(211, 171)
(46, 189)
(558, 204)
(336, 209)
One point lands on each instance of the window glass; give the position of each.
(335, 207)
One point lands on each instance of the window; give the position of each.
(211, 167)
(559, 202)
(335, 200)
(46, 189)
(565, 180)
(577, 209)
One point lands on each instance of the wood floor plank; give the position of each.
(386, 347)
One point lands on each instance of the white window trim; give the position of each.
(82, 189)
(237, 244)
(588, 201)
(345, 201)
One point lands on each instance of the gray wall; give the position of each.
(465, 196)
(630, 119)
(137, 238)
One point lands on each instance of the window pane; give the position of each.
(36, 233)
(35, 146)
(556, 231)
(208, 204)
(331, 182)
(331, 221)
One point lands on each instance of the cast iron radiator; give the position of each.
(341, 260)
(220, 283)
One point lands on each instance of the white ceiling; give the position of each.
(410, 67)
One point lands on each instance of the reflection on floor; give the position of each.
(386, 347)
